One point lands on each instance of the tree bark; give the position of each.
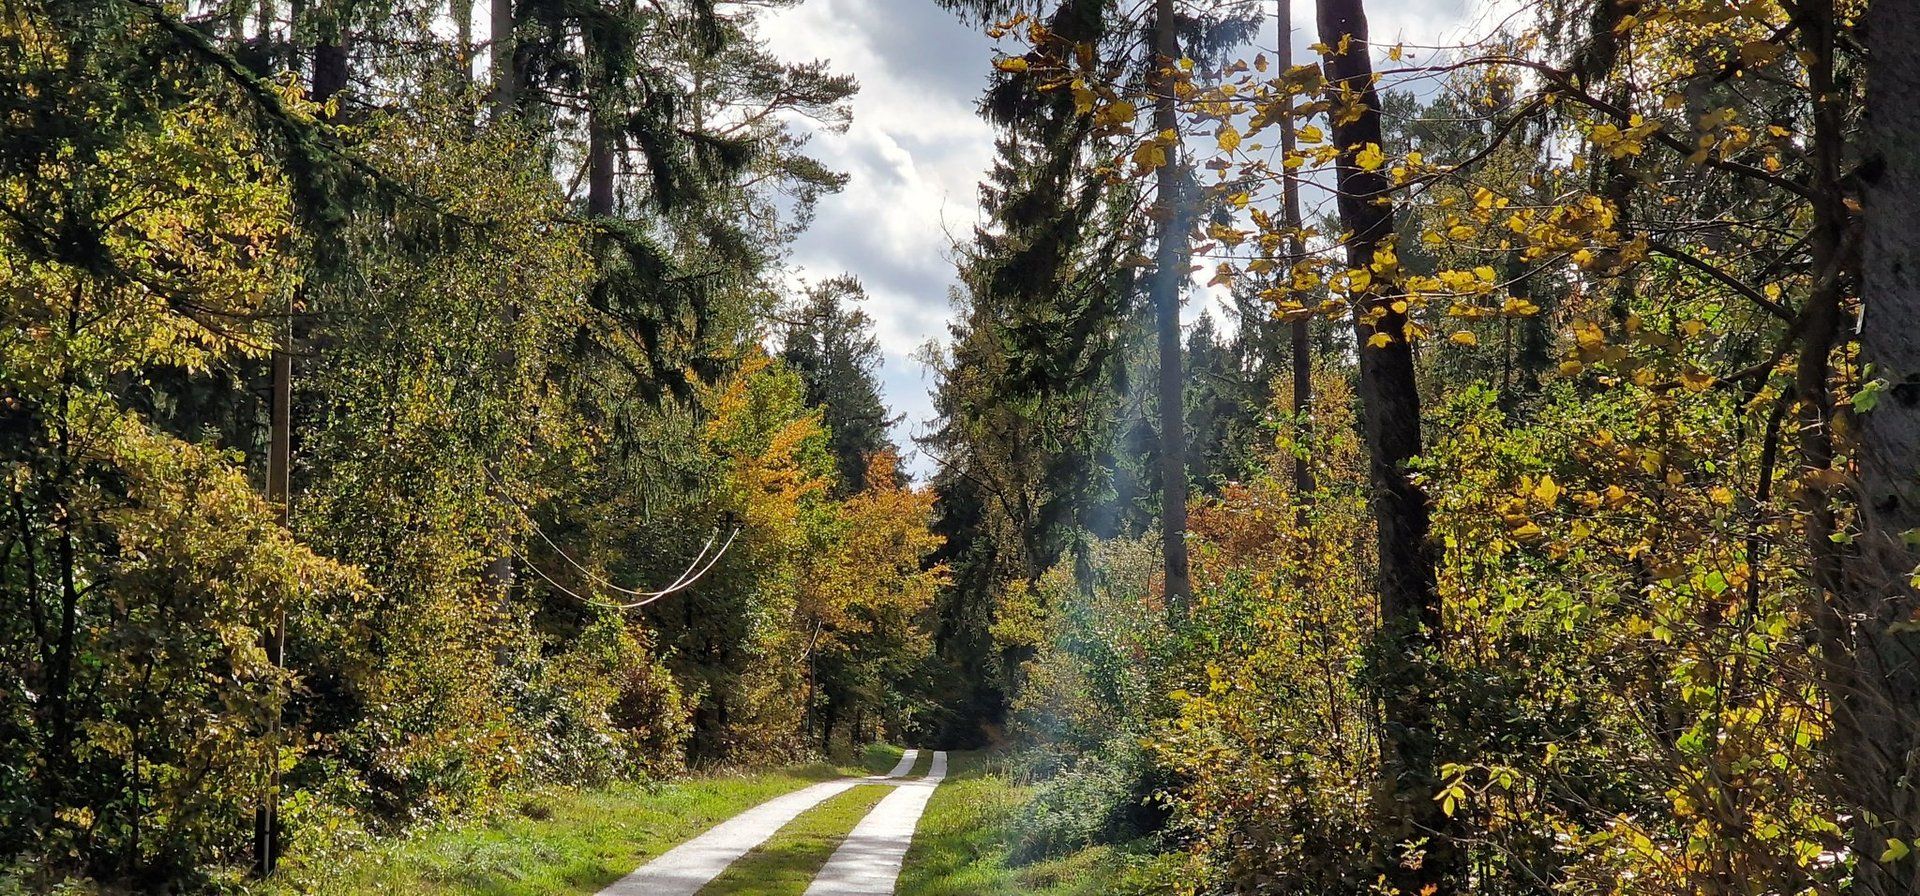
(500, 58)
(1409, 597)
(600, 159)
(1890, 433)
(462, 13)
(1301, 337)
(330, 54)
(1171, 260)
(1874, 681)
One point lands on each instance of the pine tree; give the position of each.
(830, 343)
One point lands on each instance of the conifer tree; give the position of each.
(830, 343)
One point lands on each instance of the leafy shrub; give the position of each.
(1618, 697)
(1107, 797)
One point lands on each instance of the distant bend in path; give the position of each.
(868, 862)
(685, 869)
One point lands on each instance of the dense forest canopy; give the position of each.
(388, 423)
(406, 405)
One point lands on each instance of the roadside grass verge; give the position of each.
(787, 863)
(878, 759)
(563, 841)
(962, 846)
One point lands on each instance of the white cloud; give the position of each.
(914, 155)
(916, 152)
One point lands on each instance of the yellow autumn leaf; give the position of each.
(1229, 138)
(1013, 64)
(1083, 98)
(1370, 157)
(1520, 307)
(1651, 460)
(1463, 338)
(1311, 134)
(1117, 114)
(1380, 340)
(1589, 335)
(1149, 156)
(1548, 491)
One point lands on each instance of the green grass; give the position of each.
(578, 841)
(786, 863)
(568, 841)
(961, 846)
(878, 759)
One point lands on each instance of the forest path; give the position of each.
(868, 862)
(686, 868)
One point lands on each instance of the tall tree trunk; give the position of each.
(462, 13)
(1409, 597)
(330, 76)
(330, 53)
(500, 58)
(330, 73)
(1874, 662)
(1301, 349)
(279, 470)
(827, 718)
(600, 160)
(1170, 271)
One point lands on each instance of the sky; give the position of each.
(916, 152)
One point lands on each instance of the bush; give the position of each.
(1109, 796)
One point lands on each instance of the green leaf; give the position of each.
(1869, 395)
(1895, 851)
